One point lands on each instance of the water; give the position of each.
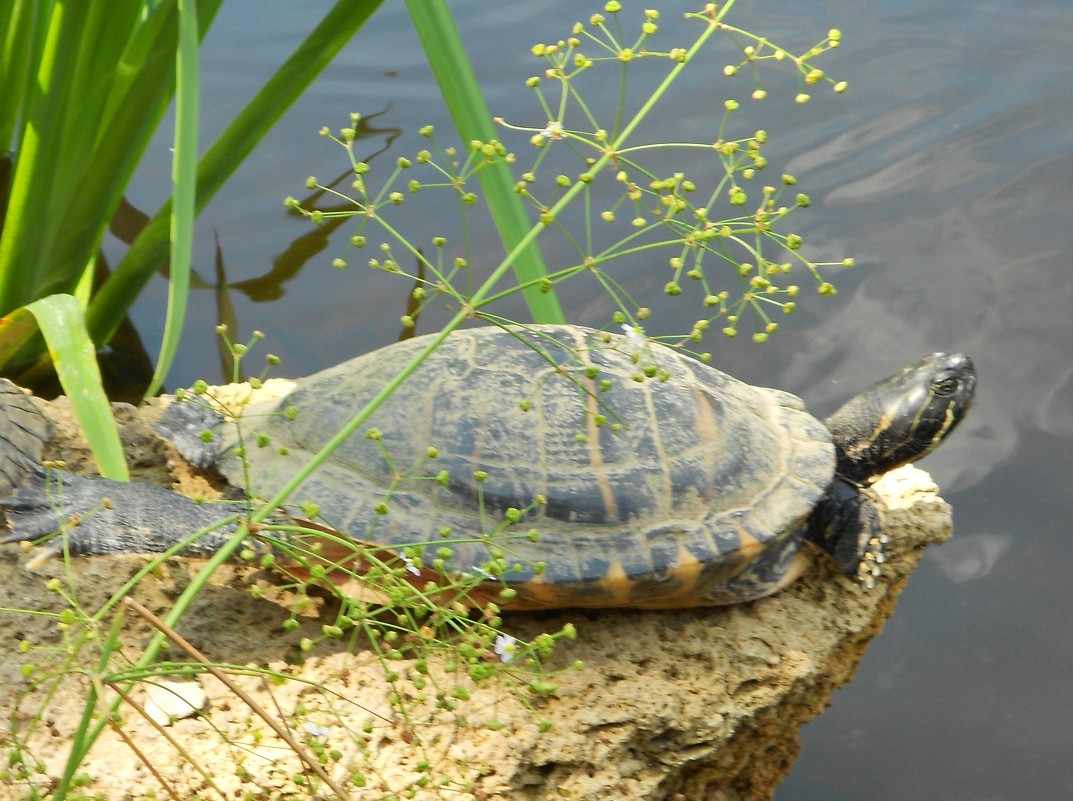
(945, 170)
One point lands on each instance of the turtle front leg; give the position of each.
(846, 524)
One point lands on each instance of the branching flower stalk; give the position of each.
(659, 211)
(664, 202)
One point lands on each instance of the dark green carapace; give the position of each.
(547, 457)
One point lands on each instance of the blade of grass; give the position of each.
(141, 89)
(16, 43)
(40, 148)
(184, 185)
(60, 319)
(462, 95)
(16, 329)
(100, 104)
(69, 91)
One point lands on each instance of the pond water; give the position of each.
(945, 171)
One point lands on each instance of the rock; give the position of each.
(669, 705)
(167, 701)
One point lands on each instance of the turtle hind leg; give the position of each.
(96, 516)
(775, 569)
(846, 524)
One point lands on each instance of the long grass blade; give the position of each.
(184, 186)
(84, 122)
(140, 90)
(17, 26)
(60, 319)
(462, 95)
(22, 276)
(16, 329)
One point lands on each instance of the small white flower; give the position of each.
(505, 648)
(635, 336)
(413, 568)
(554, 130)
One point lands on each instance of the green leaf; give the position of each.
(60, 319)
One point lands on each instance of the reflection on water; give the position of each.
(971, 558)
(946, 172)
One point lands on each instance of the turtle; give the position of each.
(578, 467)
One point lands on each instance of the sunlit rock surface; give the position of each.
(670, 705)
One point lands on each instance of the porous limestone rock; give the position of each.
(684, 705)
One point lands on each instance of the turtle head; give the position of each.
(902, 418)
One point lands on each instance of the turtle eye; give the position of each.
(945, 384)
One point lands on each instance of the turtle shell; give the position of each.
(546, 457)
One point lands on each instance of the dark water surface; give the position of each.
(946, 170)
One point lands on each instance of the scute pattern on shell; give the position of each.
(688, 482)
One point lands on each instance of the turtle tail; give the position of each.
(24, 430)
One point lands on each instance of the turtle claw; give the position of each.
(873, 555)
